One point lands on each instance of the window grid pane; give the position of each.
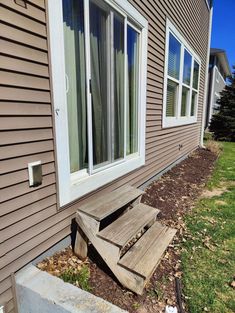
(172, 97)
(195, 75)
(174, 57)
(184, 102)
(187, 68)
(193, 103)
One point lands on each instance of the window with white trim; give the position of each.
(99, 65)
(181, 81)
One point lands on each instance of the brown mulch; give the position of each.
(173, 194)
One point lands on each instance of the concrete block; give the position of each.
(38, 292)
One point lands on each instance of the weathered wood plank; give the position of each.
(102, 206)
(146, 253)
(81, 244)
(121, 231)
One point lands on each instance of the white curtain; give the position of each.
(98, 46)
(76, 93)
(118, 111)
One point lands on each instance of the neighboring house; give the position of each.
(218, 71)
(102, 94)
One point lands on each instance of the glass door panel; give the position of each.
(118, 88)
(74, 39)
(132, 90)
(99, 83)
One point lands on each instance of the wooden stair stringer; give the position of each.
(109, 253)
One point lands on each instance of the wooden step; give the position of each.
(144, 256)
(121, 231)
(103, 206)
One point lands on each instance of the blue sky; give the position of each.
(223, 28)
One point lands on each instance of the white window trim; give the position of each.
(70, 187)
(218, 74)
(179, 120)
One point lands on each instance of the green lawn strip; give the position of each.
(208, 254)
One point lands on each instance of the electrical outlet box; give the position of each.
(35, 174)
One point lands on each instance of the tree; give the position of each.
(223, 122)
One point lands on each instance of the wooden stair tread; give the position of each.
(121, 231)
(103, 206)
(144, 256)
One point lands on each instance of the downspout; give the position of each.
(206, 79)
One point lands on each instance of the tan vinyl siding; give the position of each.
(30, 221)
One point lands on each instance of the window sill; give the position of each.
(173, 121)
(88, 184)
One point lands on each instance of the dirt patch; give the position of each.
(177, 190)
(173, 194)
(213, 193)
(220, 202)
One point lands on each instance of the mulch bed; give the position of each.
(173, 194)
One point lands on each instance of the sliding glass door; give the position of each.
(102, 74)
(107, 88)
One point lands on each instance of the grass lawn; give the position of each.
(208, 257)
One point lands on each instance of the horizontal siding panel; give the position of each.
(152, 140)
(23, 213)
(160, 150)
(9, 306)
(30, 11)
(8, 123)
(17, 50)
(35, 241)
(20, 136)
(22, 231)
(39, 3)
(7, 295)
(7, 152)
(158, 140)
(21, 108)
(17, 65)
(14, 178)
(21, 36)
(18, 163)
(171, 151)
(161, 142)
(32, 254)
(23, 188)
(12, 205)
(172, 157)
(178, 129)
(5, 284)
(145, 176)
(26, 81)
(18, 20)
(20, 94)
